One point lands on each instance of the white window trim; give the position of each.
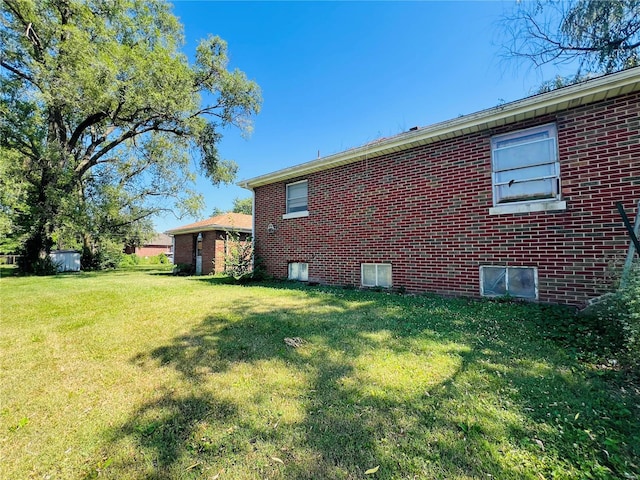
(304, 213)
(535, 281)
(301, 213)
(362, 265)
(526, 206)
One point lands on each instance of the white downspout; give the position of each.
(253, 229)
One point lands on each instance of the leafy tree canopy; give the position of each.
(597, 36)
(243, 205)
(104, 120)
(240, 205)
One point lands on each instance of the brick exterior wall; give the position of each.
(213, 250)
(426, 211)
(183, 251)
(151, 251)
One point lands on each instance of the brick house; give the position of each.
(160, 243)
(518, 199)
(204, 244)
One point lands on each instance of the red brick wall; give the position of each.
(219, 255)
(425, 211)
(152, 251)
(183, 252)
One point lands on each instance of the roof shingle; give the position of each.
(224, 221)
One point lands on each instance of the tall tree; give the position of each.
(102, 115)
(594, 35)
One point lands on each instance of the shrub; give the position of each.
(132, 260)
(107, 255)
(238, 261)
(619, 312)
(259, 272)
(129, 260)
(591, 336)
(630, 303)
(110, 254)
(183, 269)
(45, 266)
(41, 266)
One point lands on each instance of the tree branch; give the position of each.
(29, 31)
(86, 123)
(599, 35)
(136, 219)
(136, 172)
(17, 72)
(89, 162)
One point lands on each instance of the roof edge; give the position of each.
(568, 96)
(208, 228)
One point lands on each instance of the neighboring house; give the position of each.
(203, 245)
(161, 243)
(518, 199)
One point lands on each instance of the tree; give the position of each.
(216, 211)
(243, 205)
(240, 205)
(102, 116)
(597, 36)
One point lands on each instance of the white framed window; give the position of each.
(525, 166)
(376, 275)
(520, 282)
(299, 271)
(297, 194)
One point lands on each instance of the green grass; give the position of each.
(141, 375)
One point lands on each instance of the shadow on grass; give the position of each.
(8, 271)
(160, 432)
(416, 386)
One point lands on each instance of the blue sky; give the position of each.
(335, 75)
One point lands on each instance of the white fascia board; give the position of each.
(207, 228)
(601, 88)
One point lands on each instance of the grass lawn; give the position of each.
(141, 375)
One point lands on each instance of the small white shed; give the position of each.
(66, 260)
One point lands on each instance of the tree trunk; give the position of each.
(38, 245)
(36, 248)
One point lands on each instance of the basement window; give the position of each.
(520, 282)
(376, 275)
(299, 271)
(526, 171)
